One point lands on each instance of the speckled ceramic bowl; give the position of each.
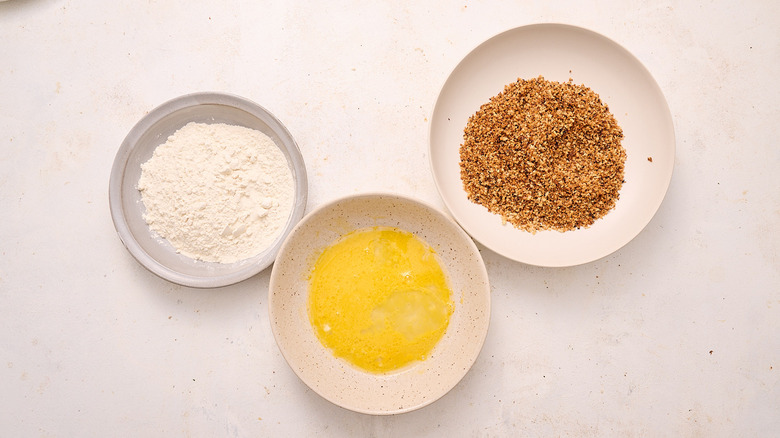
(416, 385)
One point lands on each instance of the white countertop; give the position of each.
(676, 334)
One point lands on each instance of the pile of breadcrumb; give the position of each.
(544, 156)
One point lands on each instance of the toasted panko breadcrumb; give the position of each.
(544, 156)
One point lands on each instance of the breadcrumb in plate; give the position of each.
(544, 155)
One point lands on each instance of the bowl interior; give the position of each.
(343, 384)
(127, 208)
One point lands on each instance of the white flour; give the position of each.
(217, 192)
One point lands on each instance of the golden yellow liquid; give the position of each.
(379, 299)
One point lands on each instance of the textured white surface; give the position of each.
(676, 334)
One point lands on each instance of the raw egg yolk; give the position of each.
(379, 299)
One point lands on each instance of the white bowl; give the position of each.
(127, 209)
(416, 385)
(558, 52)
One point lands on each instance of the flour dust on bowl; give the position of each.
(384, 250)
(574, 60)
(205, 188)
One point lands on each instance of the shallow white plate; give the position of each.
(558, 52)
(336, 380)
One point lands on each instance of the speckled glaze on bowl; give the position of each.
(418, 384)
(127, 208)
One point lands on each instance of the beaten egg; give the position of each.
(379, 299)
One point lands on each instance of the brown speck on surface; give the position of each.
(544, 156)
(710, 352)
(650, 159)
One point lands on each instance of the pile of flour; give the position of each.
(217, 192)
